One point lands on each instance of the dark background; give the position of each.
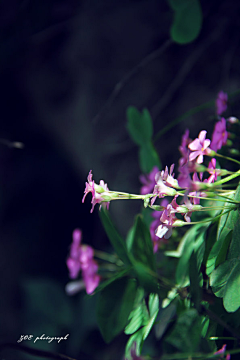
(59, 62)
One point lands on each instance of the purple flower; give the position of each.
(100, 193)
(199, 147)
(157, 242)
(81, 259)
(212, 171)
(148, 181)
(220, 135)
(222, 352)
(221, 102)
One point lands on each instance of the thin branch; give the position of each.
(120, 85)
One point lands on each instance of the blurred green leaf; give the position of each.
(153, 303)
(114, 305)
(114, 237)
(146, 277)
(187, 21)
(109, 281)
(186, 334)
(141, 248)
(194, 241)
(148, 157)
(225, 282)
(164, 319)
(139, 125)
(195, 279)
(139, 316)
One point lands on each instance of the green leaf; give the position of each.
(139, 316)
(164, 319)
(112, 279)
(147, 279)
(187, 20)
(195, 278)
(141, 247)
(139, 125)
(114, 237)
(150, 324)
(114, 306)
(148, 157)
(186, 334)
(138, 339)
(225, 282)
(172, 294)
(194, 240)
(153, 303)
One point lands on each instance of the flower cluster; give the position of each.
(81, 258)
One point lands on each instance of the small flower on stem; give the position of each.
(213, 171)
(81, 259)
(220, 135)
(154, 225)
(100, 193)
(148, 181)
(199, 147)
(222, 351)
(221, 102)
(165, 181)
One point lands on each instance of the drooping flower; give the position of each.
(221, 352)
(81, 259)
(157, 242)
(220, 135)
(221, 102)
(212, 171)
(148, 181)
(199, 147)
(100, 193)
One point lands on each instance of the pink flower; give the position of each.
(100, 193)
(220, 135)
(221, 102)
(222, 352)
(165, 181)
(148, 181)
(199, 147)
(157, 242)
(213, 171)
(195, 186)
(81, 259)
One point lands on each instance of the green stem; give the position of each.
(227, 158)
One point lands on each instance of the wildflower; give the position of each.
(148, 181)
(199, 147)
(81, 259)
(222, 351)
(165, 181)
(154, 225)
(195, 186)
(100, 193)
(219, 137)
(233, 120)
(213, 171)
(221, 102)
